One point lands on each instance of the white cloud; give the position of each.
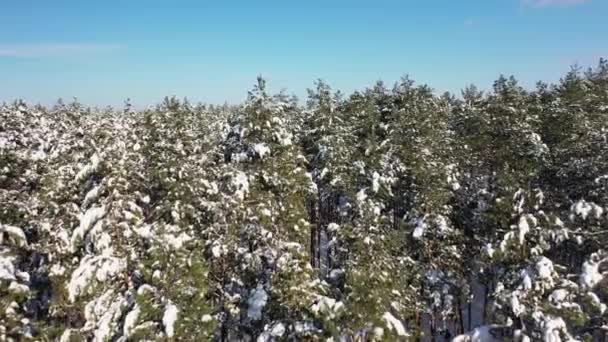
(54, 49)
(547, 3)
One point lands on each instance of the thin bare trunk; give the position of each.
(485, 304)
(314, 218)
(433, 328)
(460, 318)
(469, 314)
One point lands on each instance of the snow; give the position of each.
(420, 228)
(57, 270)
(327, 306)
(360, 165)
(599, 179)
(15, 235)
(394, 324)
(489, 250)
(131, 320)
(375, 182)
(595, 300)
(558, 296)
(516, 306)
(239, 157)
(7, 268)
(66, 336)
(304, 327)
(361, 196)
(590, 273)
(88, 169)
(99, 268)
(4, 143)
(102, 240)
(518, 335)
(452, 177)
(87, 220)
(11, 310)
(323, 173)
(523, 228)
(91, 196)
(176, 242)
(378, 332)
(418, 231)
(544, 268)
(442, 223)
(598, 211)
(552, 328)
(261, 149)
(526, 280)
(17, 288)
(207, 318)
(242, 184)
(144, 231)
(284, 138)
(583, 208)
(278, 330)
(169, 319)
(145, 288)
(256, 302)
(23, 276)
(217, 250)
(102, 315)
(479, 334)
(519, 200)
(212, 188)
(312, 186)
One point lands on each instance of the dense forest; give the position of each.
(389, 214)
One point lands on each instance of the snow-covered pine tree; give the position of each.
(268, 229)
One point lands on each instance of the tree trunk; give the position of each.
(485, 304)
(313, 231)
(433, 328)
(469, 310)
(460, 318)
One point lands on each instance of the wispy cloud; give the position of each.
(547, 3)
(54, 49)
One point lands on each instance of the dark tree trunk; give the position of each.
(433, 328)
(469, 314)
(460, 318)
(313, 231)
(485, 304)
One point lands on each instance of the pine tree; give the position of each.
(268, 228)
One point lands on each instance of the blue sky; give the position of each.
(105, 51)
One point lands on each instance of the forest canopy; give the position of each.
(388, 214)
